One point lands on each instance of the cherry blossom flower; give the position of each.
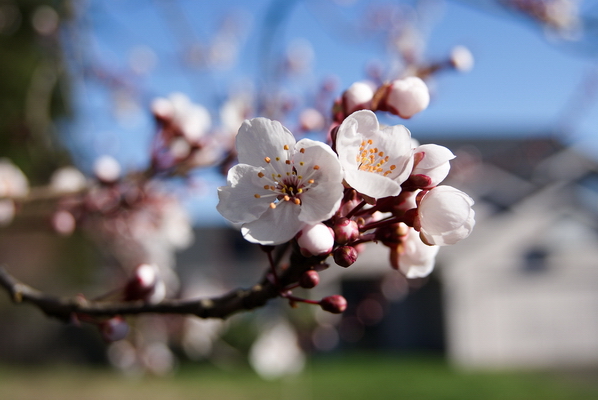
(444, 216)
(276, 352)
(431, 166)
(416, 259)
(67, 180)
(375, 161)
(193, 120)
(279, 185)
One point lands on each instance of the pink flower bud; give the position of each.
(311, 120)
(406, 97)
(315, 240)
(145, 285)
(358, 97)
(461, 59)
(114, 329)
(345, 230)
(309, 279)
(444, 216)
(335, 304)
(345, 256)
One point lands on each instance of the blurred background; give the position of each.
(512, 311)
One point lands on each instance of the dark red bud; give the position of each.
(345, 256)
(335, 304)
(309, 279)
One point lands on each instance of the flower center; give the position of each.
(370, 159)
(287, 179)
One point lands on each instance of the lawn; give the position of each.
(344, 377)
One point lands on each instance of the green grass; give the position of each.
(344, 377)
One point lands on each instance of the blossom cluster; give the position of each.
(372, 184)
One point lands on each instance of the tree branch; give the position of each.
(67, 308)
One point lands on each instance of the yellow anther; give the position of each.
(370, 141)
(297, 201)
(310, 181)
(286, 147)
(392, 167)
(267, 159)
(277, 158)
(299, 190)
(286, 198)
(301, 163)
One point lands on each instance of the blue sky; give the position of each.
(521, 83)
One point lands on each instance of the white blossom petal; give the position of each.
(237, 201)
(259, 138)
(417, 259)
(275, 226)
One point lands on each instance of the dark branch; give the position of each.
(67, 308)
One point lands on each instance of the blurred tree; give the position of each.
(33, 85)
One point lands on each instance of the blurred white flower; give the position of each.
(107, 169)
(276, 352)
(193, 120)
(461, 59)
(13, 182)
(67, 180)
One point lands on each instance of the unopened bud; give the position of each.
(345, 256)
(335, 304)
(309, 279)
(406, 97)
(144, 285)
(315, 240)
(461, 59)
(358, 97)
(114, 329)
(345, 230)
(311, 119)
(107, 169)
